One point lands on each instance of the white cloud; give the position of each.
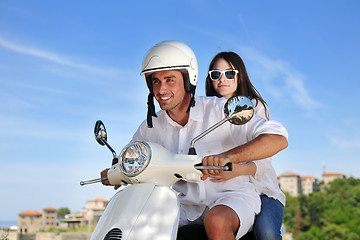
(9, 101)
(280, 79)
(53, 57)
(346, 143)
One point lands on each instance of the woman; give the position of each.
(228, 77)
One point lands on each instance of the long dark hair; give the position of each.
(244, 85)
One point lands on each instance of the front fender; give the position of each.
(140, 211)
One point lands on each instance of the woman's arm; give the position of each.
(239, 169)
(264, 146)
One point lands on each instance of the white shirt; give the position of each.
(196, 196)
(265, 179)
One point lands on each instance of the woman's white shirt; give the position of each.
(265, 179)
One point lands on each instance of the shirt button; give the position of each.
(202, 201)
(181, 151)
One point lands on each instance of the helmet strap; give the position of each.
(151, 110)
(192, 100)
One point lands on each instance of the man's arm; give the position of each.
(264, 146)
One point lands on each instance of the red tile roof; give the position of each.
(332, 174)
(308, 176)
(99, 199)
(49, 208)
(30, 213)
(289, 174)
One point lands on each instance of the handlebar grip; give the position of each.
(82, 183)
(227, 167)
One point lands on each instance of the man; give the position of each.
(227, 209)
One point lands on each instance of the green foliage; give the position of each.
(4, 237)
(61, 212)
(82, 229)
(331, 214)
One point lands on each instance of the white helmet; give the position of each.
(167, 56)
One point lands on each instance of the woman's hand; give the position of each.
(224, 175)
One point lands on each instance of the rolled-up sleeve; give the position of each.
(272, 127)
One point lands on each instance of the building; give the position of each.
(49, 218)
(29, 221)
(290, 182)
(91, 213)
(32, 221)
(72, 220)
(331, 176)
(94, 209)
(309, 184)
(295, 184)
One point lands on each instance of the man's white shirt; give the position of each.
(196, 196)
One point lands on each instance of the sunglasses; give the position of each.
(216, 74)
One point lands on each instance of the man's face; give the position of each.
(168, 87)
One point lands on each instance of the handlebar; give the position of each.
(96, 180)
(227, 167)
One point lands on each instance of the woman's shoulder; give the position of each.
(260, 108)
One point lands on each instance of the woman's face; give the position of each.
(224, 86)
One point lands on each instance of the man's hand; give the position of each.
(213, 160)
(106, 182)
(103, 174)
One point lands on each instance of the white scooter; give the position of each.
(148, 208)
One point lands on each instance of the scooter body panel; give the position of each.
(140, 211)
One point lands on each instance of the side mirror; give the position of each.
(100, 133)
(101, 137)
(239, 110)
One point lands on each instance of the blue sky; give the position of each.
(65, 64)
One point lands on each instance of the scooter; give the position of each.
(147, 207)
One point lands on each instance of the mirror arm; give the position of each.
(192, 150)
(111, 149)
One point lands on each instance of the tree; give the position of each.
(331, 214)
(61, 212)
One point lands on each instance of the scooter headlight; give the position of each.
(134, 158)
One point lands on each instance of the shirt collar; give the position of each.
(196, 114)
